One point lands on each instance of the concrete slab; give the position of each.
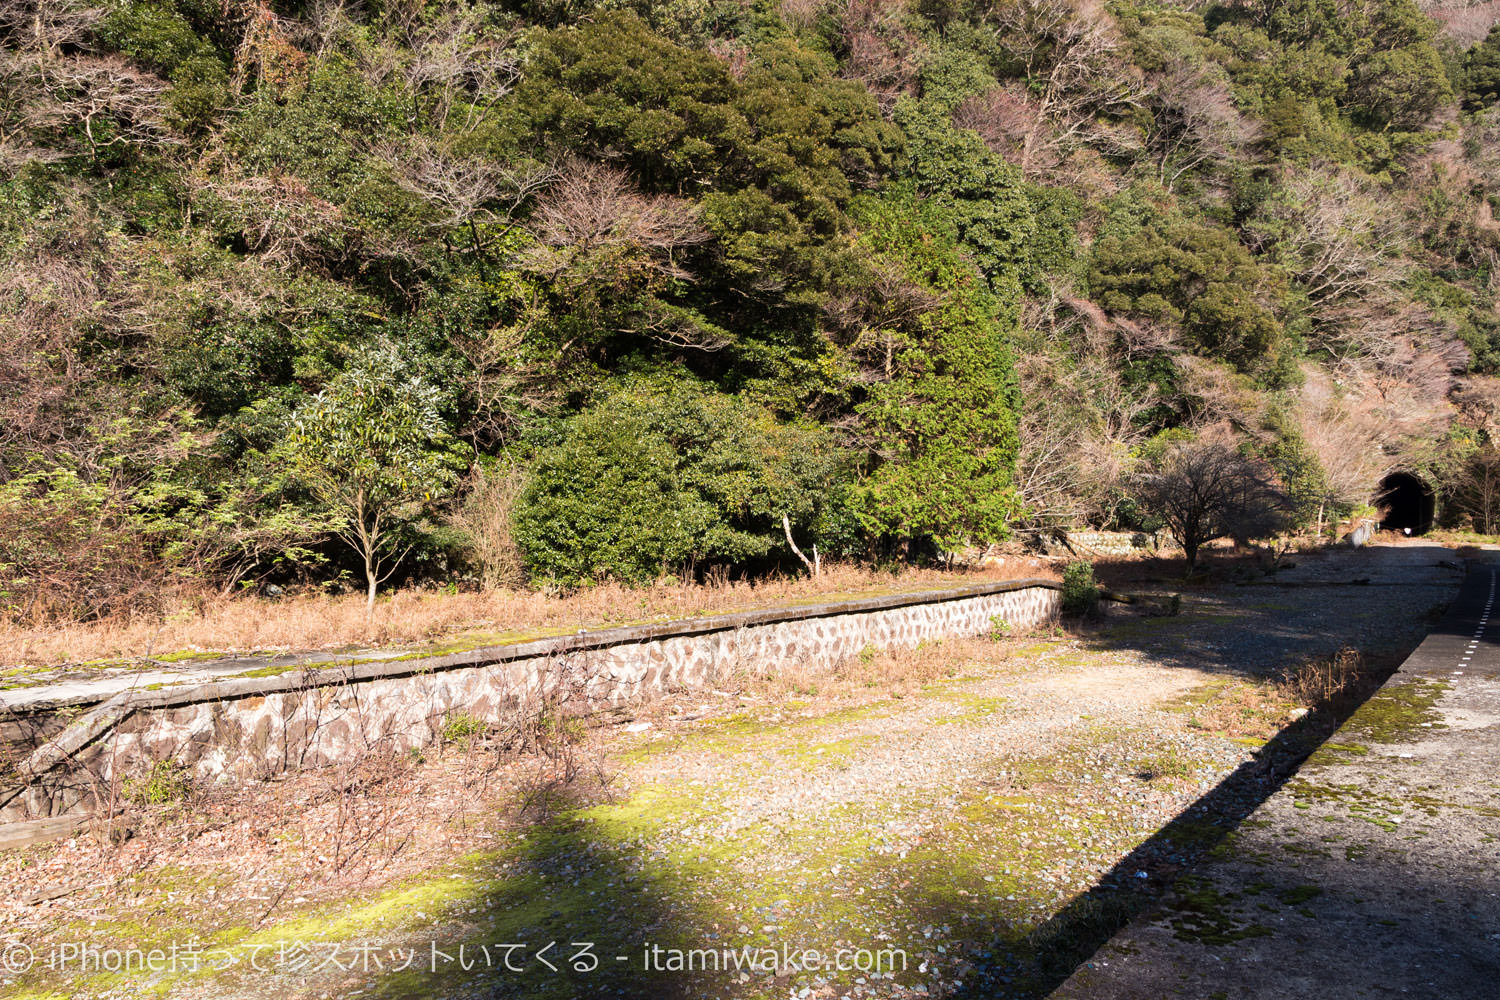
(79, 688)
(1374, 872)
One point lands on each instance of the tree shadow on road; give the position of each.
(567, 915)
(1034, 963)
(600, 901)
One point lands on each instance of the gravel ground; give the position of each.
(981, 814)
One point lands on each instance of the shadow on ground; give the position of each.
(593, 905)
(1266, 622)
(567, 916)
(1034, 963)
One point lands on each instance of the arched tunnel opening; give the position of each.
(1408, 502)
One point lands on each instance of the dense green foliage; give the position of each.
(1481, 73)
(664, 474)
(1192, 276)
(944, 418)
(910, 275)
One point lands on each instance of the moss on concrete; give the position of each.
(1201, 913)
(1398, 712)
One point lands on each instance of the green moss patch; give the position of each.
(1204, 914)
(1397, 713)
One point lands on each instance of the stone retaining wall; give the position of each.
(255, 727)
(1104, 543)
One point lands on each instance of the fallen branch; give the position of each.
(52, 892)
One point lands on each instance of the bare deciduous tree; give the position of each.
(1079, 421)
(599, 238)
(279, 217)
(1477, 489)
(51, 83)
(465, 191)
(1464, 21)
(1206, 489)
(1350, 246)
(508, 381)
(870, 321)
(457, 57)
(593, 207)
(1338, 234)
(881, 49)
(1070, 51)
(1349, 440)
(41, 300)
(1078, 427)
(1006, 118)
(46, 25)
(1477, 398)
(484, 517)
(1194, 121)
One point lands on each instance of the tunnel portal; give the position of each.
(1408, 503)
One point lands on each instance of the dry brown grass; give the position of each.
(1240, 708)
(1246, 707)
(211, 623)
(1324, 682)
(891, 673)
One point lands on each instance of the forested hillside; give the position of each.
(348, 290)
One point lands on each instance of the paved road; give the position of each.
(1374, 872)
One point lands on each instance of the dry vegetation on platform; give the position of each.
(206, 622)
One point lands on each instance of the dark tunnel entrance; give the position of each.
(1408, 503)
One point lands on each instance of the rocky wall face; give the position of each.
(1105, 543)
(261, 735)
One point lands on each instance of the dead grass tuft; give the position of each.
(1324, 682)
(1239, 708)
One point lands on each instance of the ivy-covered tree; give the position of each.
(941, 416)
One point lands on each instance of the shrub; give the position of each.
(461, 726)
(484, 518)
(663, 477)
(165, 782)
(1079, 594)
(71, 549)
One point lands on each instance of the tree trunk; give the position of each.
(478, 251)
(815, 568)
(372, 583)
